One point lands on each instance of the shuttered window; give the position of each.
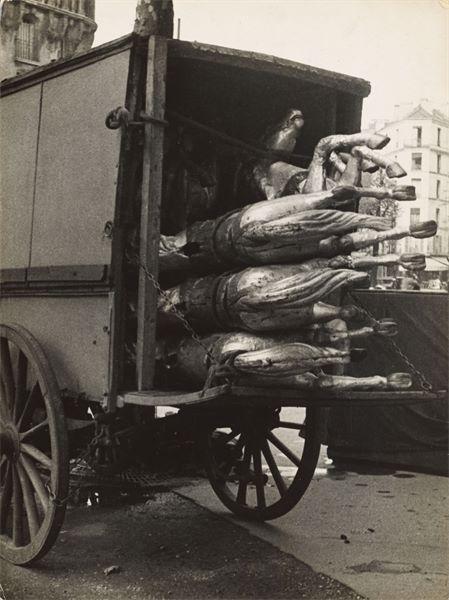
(26, 47)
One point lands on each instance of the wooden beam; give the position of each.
(126, 195)
(150, 210)
(241, 396)
(173, 398)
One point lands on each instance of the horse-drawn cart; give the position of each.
(78, 292)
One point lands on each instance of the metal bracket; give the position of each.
(149, 119)
(120, 117)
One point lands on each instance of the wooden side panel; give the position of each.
(74, 333)
(77, 164)
(19, 125)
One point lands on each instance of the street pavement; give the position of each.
(382, 532)
(162, 547)
(359, 533)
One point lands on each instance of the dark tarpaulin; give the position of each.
(414, 435)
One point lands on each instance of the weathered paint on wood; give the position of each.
(77, 165)
(19, 127)
(127, 191)
(74, 334)
(150, 210)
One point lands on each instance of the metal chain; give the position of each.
(423, 381)
(216, 368)
(176, 311)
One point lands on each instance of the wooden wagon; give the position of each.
(72, 190)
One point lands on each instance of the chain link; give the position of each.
(216, 368)
(423, 381)
(178, 313)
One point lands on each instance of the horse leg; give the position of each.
(316, 179)
(392, 168)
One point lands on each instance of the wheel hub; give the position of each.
(9, 441)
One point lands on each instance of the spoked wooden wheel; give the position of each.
(34, 475)
(262, 463)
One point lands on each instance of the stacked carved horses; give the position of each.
(264, 273)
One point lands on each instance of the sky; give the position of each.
(400, 46)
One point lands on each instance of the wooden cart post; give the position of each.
(150, 210)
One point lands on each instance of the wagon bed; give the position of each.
(233, 394)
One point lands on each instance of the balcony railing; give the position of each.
(76, 6)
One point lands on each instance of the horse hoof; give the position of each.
(423, 229)
(403, 192)
(378, 141)
(395, 170)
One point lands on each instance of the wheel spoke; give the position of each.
(5, 412)
(290, 425)
(283, 448)
(17, 510)
(35, 479)
(280, 483)
(259, 477)
(39, 456)
(33, 438)
(5, 499)
(21, 382)
(29, 501)
(7, 372)
(240, 443)
(243, 483)
(229, 436)
(33, 396)
(37, 427)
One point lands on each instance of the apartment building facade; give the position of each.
(420, 143)
(34, 32)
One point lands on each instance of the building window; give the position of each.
(438, 163)
(418, 136)
(437, 216)
(416, 183)
(397, 138)
(414, 215)
(26, 47)
(438, 136)
(437, 244)
(416, 162)
(437, 194)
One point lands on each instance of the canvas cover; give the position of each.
(415, 435)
